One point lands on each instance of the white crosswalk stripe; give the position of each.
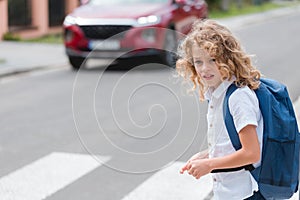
(57, 170)
(46, 176)
(169, 184)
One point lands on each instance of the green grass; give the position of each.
(53, 38)
(11, 37)
(247, 9)
(2, 61)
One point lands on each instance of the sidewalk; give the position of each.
(16, 57)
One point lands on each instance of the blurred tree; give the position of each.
(225, 5)
(222, 5)
(213, 4)
(239, 3)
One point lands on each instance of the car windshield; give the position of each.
(112, 2)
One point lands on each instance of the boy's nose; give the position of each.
(204, 67)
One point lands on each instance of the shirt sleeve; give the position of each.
(244, 108)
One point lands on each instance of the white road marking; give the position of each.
(169, 184)
(47, 175)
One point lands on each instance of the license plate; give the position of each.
(104, 45)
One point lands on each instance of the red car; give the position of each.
(128, 28)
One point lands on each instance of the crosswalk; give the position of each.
(53, 172)
(46, 176)
(169, 184)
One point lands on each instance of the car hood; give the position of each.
(119, 11)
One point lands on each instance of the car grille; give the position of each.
(104, 31)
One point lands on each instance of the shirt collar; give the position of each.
(221, 89)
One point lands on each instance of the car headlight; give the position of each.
(149, 20)
(69, 20)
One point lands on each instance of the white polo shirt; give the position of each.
(244, 107)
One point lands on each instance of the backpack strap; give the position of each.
(233, 135)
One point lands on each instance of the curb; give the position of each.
(12, 72)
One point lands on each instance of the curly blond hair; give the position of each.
(221, 44)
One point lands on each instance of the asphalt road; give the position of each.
(134, 122)
(275, 44)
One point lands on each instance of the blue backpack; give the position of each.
(278, 175)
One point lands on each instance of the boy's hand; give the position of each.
(196, 168)
(199, 168)
(199, 155)
(184, 168)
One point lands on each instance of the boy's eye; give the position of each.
(198, 62)
(213, 60)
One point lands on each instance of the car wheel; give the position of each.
(76, 62)
(169, 51)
